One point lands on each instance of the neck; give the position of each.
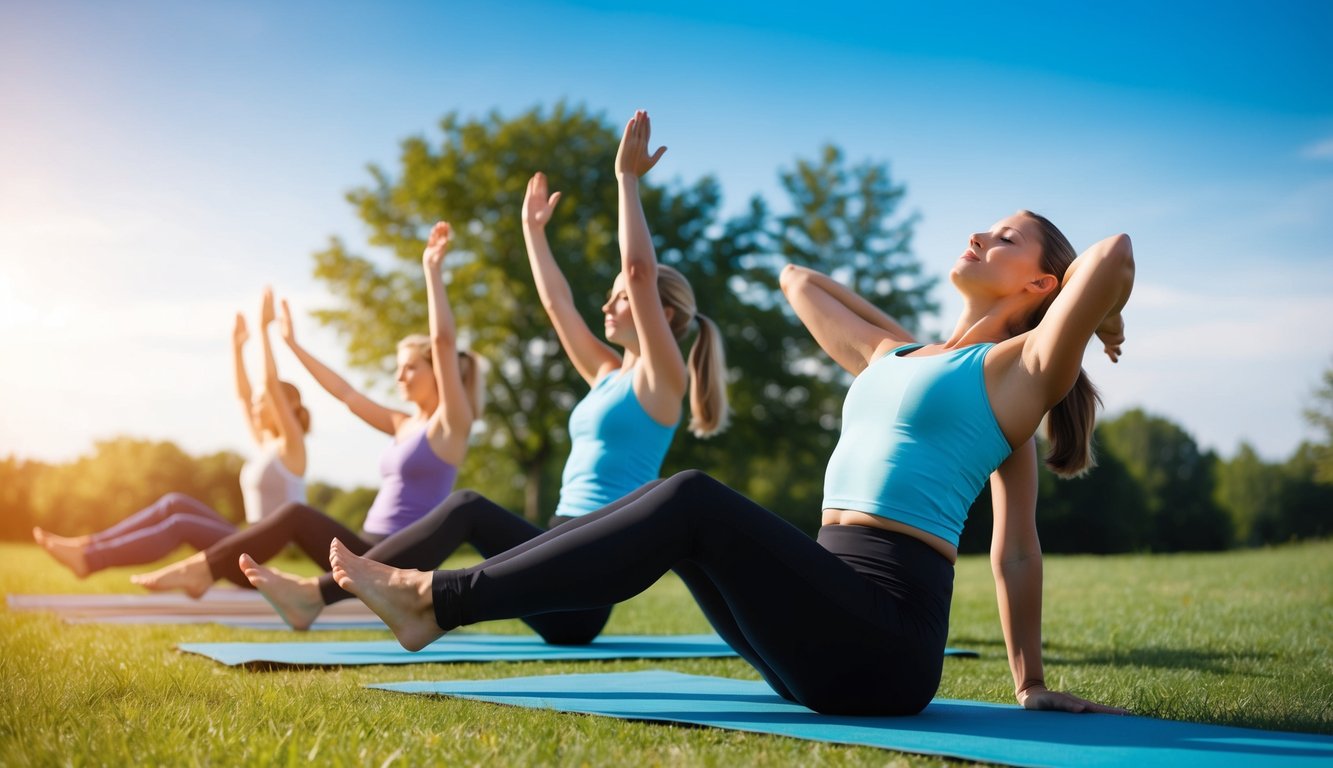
(985, 320)
(426, 407)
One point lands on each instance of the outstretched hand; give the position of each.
(285, 329)
(266, 307)
(1038, 697)
(633, 157)
(437, 245)
(1112, 334)
(537, 207)
(239, 333)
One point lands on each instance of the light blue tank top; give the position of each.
(616, 446)
(918, 440)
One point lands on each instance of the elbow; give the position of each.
(791, 278)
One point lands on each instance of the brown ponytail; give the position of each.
(1070, 423)
(294, 402)
(707, 361)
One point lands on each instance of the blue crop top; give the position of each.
(918, 440)
(616, 447)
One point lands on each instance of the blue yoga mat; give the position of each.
(997, 733)
(463, 647)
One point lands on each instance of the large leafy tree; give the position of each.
(1320, 416)
(1177, 480)
(784, 403)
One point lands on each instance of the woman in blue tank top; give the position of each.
(619, 432)
(418, 468)
(856, 622)
(277, 422)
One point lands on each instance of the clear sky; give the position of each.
(161, 161)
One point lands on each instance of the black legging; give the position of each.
(306, 527)
(469, 517)
(852, 624)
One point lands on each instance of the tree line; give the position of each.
(1155, 490)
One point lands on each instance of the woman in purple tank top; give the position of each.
(277, 422)
(418, 468)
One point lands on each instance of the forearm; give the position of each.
(854, 302)
(1018, 587)
(637, 255)
(442, 330)
(270, 365)
(552, 287)
(242, 378)
(1113, 256)
(331, 382)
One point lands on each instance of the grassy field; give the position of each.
(1240, 638)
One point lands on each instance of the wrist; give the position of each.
(1029, 686)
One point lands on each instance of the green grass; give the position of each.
(1240, 638)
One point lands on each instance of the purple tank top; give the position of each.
(415, 481)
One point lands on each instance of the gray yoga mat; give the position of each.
(968, 730)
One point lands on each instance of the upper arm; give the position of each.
(591, 356)
(289, 428)
(1098, 285)
(251, 423)
(455, 408)
(378, 416)
(1014, 505)
(661, 369)
(850, 340)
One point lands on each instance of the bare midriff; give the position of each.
(852, 517)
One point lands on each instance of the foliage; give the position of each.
(1320, 416)
(120, 477)
(1176, 478)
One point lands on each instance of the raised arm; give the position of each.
(660, 377)
(1016, 564)
(381, 418)
(454, 412)
(276, 403)
(239, 335)
(850, 329)
(591, 356)
(1095, 288)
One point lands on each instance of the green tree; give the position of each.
(1101, 512)
(17, 478)
(1177, 481)
(785, 404)
(1306, 502)
(1250, 490)
(1320, 416)
(123, 475)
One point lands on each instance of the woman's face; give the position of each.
(416, 378)
(616, 316)
(1002, 261)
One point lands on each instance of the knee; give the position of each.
(691, 481)
(291, 512)
(173, 501)
(458, 502)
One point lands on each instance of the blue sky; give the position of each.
(162, 161)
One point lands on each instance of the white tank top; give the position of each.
(267, 484)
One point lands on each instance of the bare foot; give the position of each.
(45, 537)
(70, 556)
(191, 575)
(296, 600)
(401, 597)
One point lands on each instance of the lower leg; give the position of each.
(308, 528)
(464, 517)
(151, 543)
